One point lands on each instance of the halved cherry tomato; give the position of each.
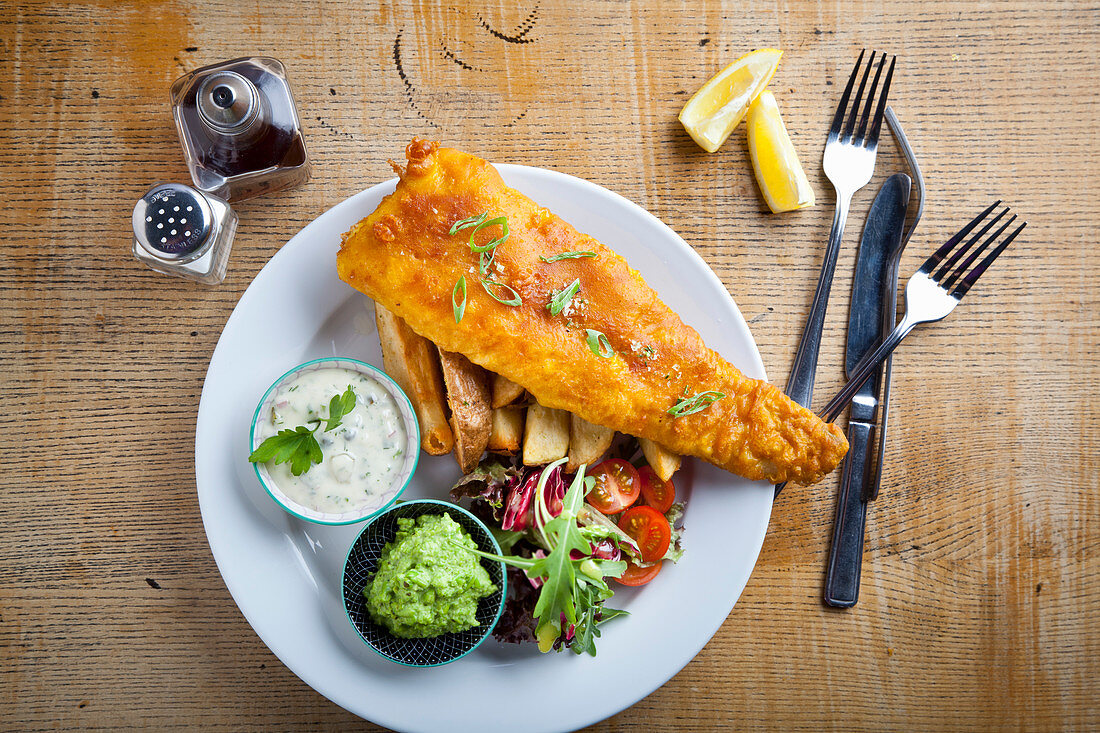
(657, 493)
(634, 575)
(617, 486)
(649, 528)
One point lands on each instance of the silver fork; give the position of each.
(932, 292)
(849, 163)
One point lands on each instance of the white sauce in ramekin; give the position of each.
(362, 457)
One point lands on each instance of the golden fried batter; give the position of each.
(403, 256)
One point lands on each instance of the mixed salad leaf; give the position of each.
(560, 550)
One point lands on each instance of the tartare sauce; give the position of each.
(362, 456)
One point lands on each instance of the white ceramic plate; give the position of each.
(285, 574)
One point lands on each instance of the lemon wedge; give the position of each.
(778, 172)
(712, 113)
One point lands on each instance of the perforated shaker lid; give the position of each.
(173, 222)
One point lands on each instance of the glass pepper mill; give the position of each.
(239, 128)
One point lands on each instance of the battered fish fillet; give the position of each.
(403, 257)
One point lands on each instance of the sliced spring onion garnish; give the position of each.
(698, 403)
(460, 308)
(492, 243)
(513, 301)
(562, 298)
(487, 250)
(568, 255)
(470, 221)
(599, 344)
(487, 261)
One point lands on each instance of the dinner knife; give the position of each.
(881, 237)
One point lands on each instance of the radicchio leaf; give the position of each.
(605, 549)
(518, 512)
(519, 509)
(487, 484)
(555, 491)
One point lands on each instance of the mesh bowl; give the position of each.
(362, 563)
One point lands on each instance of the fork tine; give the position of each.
(872, 139)
(964, 286)
(939, 254)
(870, 100)
(953, 278)
(949, 265)
(850, 125)
(838, 119)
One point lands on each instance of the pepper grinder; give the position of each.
(239, 128)
(181, 231)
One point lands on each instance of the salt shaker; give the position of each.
(239, 128)
(181, 231)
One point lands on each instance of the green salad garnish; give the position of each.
(573, 590)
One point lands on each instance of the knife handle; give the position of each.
(846, 554)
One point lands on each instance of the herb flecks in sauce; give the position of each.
(299, 447)
(354, 460)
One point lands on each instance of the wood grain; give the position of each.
(981, 577)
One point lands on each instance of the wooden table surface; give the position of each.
(980, 605)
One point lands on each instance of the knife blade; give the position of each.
(890, 304)
(881, 237)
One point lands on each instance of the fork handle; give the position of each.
(866, 368)
(800, 385)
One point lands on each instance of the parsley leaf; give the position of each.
(299, 447)
(339, 406)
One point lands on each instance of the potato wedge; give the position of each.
(413, 362)
(587, 442)
(506, 432)
(546, 438)
(468, 398)
(663, 461)
(505, 391)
